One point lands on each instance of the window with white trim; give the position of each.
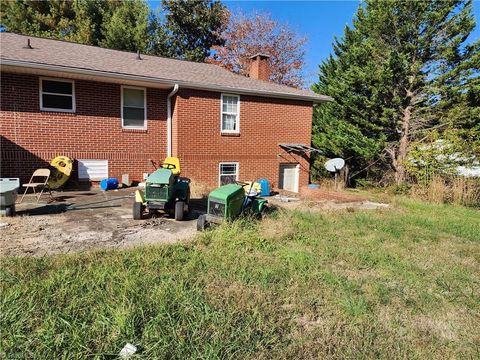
(57, 95)
(228, 173)
(134, 108)
(230, 108)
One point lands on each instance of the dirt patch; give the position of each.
(101, 220)
(320, 194)
(82, 221)
(324, 200)
(325, 205)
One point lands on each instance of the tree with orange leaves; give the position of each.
(245, 36)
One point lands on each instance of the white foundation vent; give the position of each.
(92, 169)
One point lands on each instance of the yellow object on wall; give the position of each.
(62, 169)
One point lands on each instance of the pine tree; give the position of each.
(185, 29)
(115, 24)
(127, 27)
(191, 28)
(394, 75)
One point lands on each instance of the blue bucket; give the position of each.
(109, 184)
(265, 187)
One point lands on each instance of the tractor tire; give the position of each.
(202, 222)
(179, 210)
(187, 202)
(137, 210)
(265, 210)
(10, 211)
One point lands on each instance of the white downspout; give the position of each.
(169, 120)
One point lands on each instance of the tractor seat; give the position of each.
(173, 161)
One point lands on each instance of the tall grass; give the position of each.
(458, 190)
(400, 283)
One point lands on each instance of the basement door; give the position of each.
(289, 177)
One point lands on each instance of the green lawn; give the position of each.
(398, 283)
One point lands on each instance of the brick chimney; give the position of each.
(259, 68)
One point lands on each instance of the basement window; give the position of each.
(57, 95)
(134, 108)
(228, 173)
(230, 110)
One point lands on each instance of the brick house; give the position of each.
(115, 112)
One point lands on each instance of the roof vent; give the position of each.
(139, 57)
(28, 46)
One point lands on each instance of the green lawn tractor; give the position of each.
(230, 201)
(165, 191)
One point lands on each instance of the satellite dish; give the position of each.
(334, 165)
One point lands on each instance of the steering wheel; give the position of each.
(241, 183)
(169, 166)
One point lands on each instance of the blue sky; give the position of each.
(319, 21)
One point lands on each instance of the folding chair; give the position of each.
(39, 185)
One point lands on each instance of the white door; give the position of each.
(289, 174)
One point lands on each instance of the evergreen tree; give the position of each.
(402, 69)
(192, 28)
(127, 27)
(115, 24)
(41, 18)
(185, 29)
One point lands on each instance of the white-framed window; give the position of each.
(227, 173)
(134, 107)
(57, 95)
(230, 113)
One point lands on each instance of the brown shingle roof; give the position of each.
(68, 56)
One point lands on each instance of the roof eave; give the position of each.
(169, 82)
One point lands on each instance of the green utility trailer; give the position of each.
(165, 191)
(228, 202)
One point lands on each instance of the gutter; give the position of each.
(190, 85)
(169, 119)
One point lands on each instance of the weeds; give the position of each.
(458, 190)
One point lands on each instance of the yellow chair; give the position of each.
(173, 164)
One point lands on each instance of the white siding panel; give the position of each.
(92, 169)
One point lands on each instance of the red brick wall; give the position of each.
(30, 138)
(264, 123)
(260, 68)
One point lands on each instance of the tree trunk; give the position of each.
(401, 154)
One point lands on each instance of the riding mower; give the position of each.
(165, 191)
(230, 201)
